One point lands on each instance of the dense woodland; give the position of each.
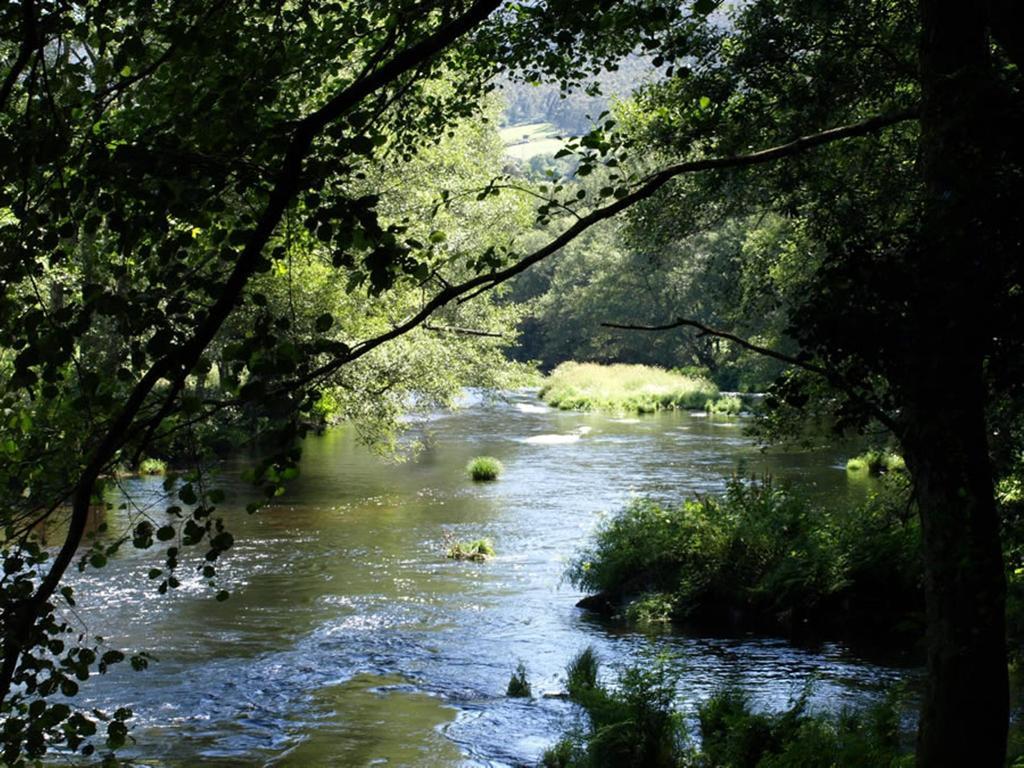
(225, 227)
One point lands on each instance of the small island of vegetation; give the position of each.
(624, 388)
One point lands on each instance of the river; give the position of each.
(349, 639)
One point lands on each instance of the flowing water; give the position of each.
(349, 639)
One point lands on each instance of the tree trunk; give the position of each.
(965, 710)
(941, 387)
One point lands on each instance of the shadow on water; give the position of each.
(350, 640)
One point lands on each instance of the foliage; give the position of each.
(762, 557)
(484, 468)
(151, 466)
(581, 673)
(178, 281)
(476, 550)
(730, 405)
(875, 463)
(518, 684)
(732, 734)
(632, 725)
(714, 276)
(636, 388)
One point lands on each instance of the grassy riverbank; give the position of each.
(629, 388)
(761, 558)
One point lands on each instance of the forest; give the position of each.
(511, 383)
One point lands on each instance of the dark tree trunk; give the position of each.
(966, 705)
(942, 389)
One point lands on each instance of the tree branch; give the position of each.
(29, 43)
(462, 331)
(737, 340)
(476, 285)
(833, 377)
(183, 359)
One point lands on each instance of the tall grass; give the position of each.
(730, 405)
(619, 387)
(733, 734)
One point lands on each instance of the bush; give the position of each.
(630, 388)
(731, 405)
(518, 685)
(484, 468)
(152, 467)
(761, 558)
(876, 463)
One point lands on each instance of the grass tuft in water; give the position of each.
(730, 405)
(624, 388)
(484, 468)
(581, 673)
(477, 550)
(876, 463)
(153, 467)
(518, 685)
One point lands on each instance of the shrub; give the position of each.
(152, 467)
(876, 463)
(761, 558)
(632, 725)
(731, 405)
(733, 735)
(632, 388)
(477, 550)
(518, 685)
(484, 468)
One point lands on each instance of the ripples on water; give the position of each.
(350, 640)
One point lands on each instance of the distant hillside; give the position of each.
(534, 104)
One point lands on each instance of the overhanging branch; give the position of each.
(474, 286)
(731, 337)
(832, 376)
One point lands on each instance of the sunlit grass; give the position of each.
(619, 387)
(876, 463)
(531, 139)
(730, 405)
(484, 468)
(152, 467)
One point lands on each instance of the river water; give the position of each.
(350, 640)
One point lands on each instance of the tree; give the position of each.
(913, 316)
(156, 162)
